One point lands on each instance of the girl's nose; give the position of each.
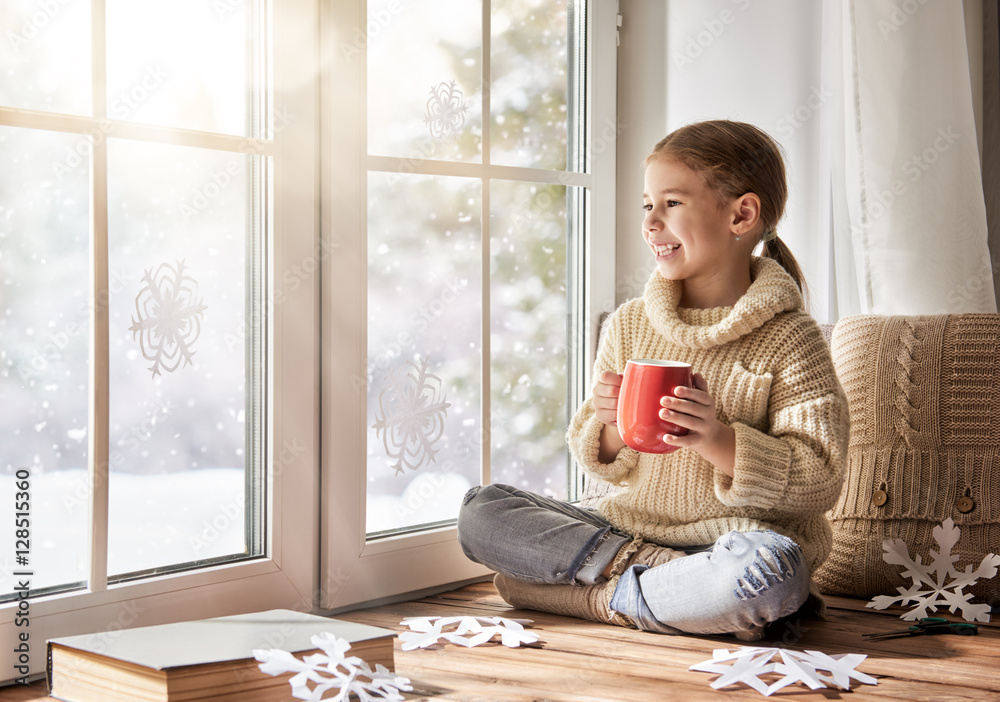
(651, 223)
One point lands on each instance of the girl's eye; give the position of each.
(647, 207)
(672, 203)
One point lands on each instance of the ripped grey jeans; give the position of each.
(743, 580)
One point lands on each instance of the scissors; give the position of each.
(928, 625)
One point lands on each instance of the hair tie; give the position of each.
(770, 235)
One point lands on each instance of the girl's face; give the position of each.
(692, 237)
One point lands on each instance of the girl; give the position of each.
(722, 535)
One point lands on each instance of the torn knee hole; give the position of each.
(780, 563)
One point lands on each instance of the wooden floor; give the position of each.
(577, 661)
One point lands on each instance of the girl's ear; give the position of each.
(746, 213)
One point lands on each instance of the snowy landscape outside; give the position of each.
(177, 223)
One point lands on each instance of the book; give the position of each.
(208, 659)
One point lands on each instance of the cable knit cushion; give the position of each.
(924, 398)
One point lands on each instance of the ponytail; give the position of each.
(775, 248)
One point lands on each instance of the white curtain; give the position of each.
(909, 215)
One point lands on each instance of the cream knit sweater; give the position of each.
(769, 369)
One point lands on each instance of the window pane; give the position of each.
(528, 83)
(45, 55)
(424, 77)
(45, 315)
(178, 329)
(180, 64)
(424, 347)
(528, 335)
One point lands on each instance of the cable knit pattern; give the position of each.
(769, 369)
(924, 401)
(906, 396)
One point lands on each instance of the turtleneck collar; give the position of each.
(772, 292)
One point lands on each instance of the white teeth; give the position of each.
(664, 249)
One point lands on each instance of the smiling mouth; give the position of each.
(664, 249)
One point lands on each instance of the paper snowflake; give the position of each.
(168, 317)
(937, 583)
(748, 664)
(333, 670)
(446, 110)
(410, 417)
(464, 631)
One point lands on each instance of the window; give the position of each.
(466, 269)
(151, 253)
(210, 235)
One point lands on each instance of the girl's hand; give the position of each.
(694, 409)
(606, 392)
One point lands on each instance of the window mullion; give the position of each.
(396, 164)
(99, 127)
(257, 167)
(486, 395)
(576, 220)
(99, 347)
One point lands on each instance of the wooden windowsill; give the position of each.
(579, 661)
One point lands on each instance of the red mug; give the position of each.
(644, 382)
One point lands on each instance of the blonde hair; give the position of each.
(735, 158)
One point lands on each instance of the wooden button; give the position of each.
(879, 498)
(965, 504)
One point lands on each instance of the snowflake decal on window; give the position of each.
(937, 583)
(446, 110)
(167, 317)
(410, 417)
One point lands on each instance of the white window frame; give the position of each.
(352, 569)
(286, 576)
